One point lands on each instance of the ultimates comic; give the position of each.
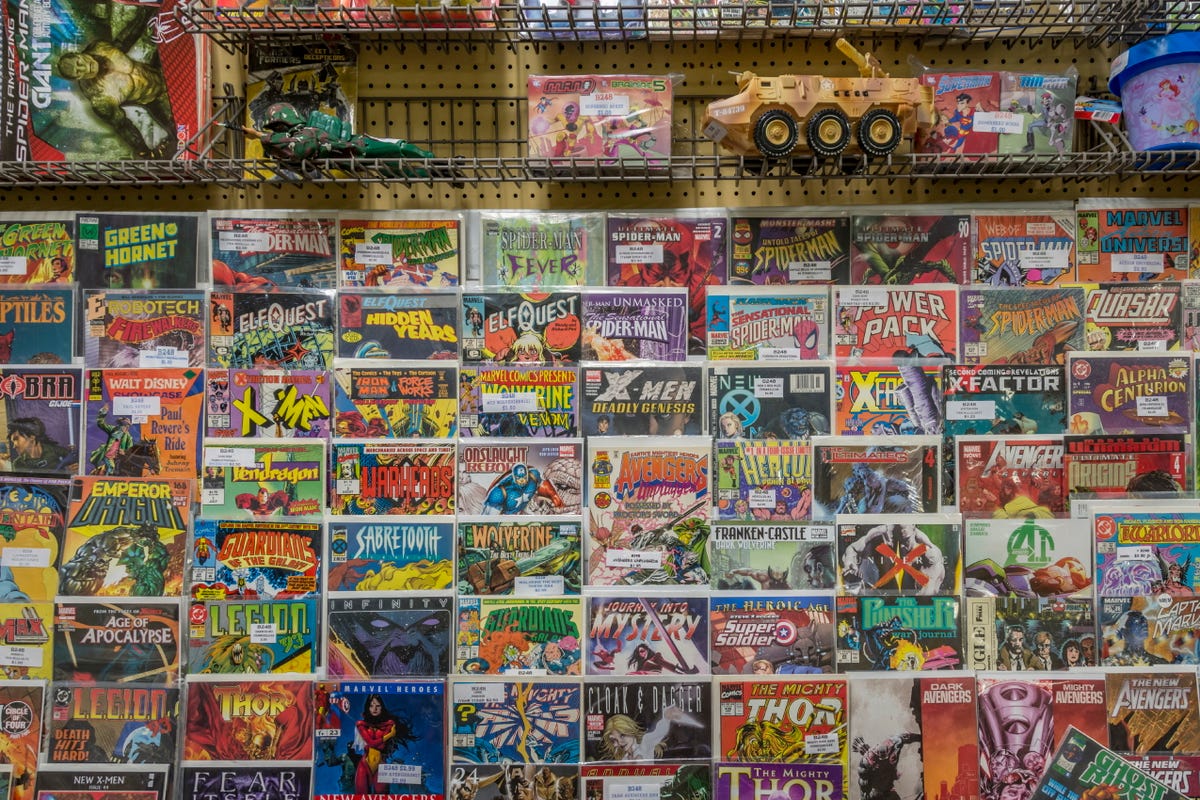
(40, 410)
(398, 401)
(261, 780)
(772, 250)
(375, 477)
(532, 250)
(500, 781)
(895, 323)
(498, 555)
(875, 475)
(1083, 767)
(1028, 557)
(647, 635)
(384, 555)
(410, 250)
(1010, 476)
(886, 400)
(770, 402)
(1152, 711)
(520, 635)
(519, 476)
(511, 328)
(37, 247)
(104, 782)
(666, 781)
(735, 781)
(249, 719)
(256, 559)
(526, 402)
(268, 403)
(136, 329)
(26, 650)
(919, 555)
(375, 324)
(283, 330)
(769, 479)
(253, 636)
(1012, 325)
(22, 704)
(899, 633)
(899, 249)
(515, 722)
(263, 478)
(766, 634)
(1030, 249)
(1148, 630)
(117, 641)
(1134, 316)
(1150, 464)
(646, 720)
(764, 556)
(1121, 241)
(32, 520)
(136, 250)
(1030, 633)
(1155, 551)
(373, 637)
(643, 400)
(112, 723)
(648, 323)
(264, 250)
(38, 323)
(746, 325)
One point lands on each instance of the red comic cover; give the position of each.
(895, 323)
(249, 719)
(1011, 476)
(1112, 466)
(901, 249)
(379, 476)
(966, 106)
(112, 723)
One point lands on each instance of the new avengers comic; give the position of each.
(1114, 465)
(134, 329)
(763, 479)
(1019, 325)
(526, 402)
(1148, 630)
(1152, 711)
(635, 324)
(116, 640)
(1083, 766)
(33, 518)
(374, 636)
(375, 477)
(37, 247)
(774, 249)
(509, 327)
(1148, 552)
(112, 723)
(647, 635)
(417, 250)
(261, 780)
(674, 781)
(273, 559)
(266, 250)
(144, 250)
(534, 250)
(22, 705)
(26, 631)
(900, 249)
(1024, 249)
(1122, 241)
(885, 400)
(647, 720)
(1027, 557)
(1179, 772)
(916, 555)
(395, 401)
(515, 722)
(895, 324)
(768, 633)
(642, 400)
(380, 325)
(253, 636)
(385, 555)
(500, 781)
(790, 323)
(520, 477)
(281, 330)
(268, 403)
(1010, 476)
(103, 782)
(1134, 316)
(1023, 633)
(735, 781)
(875, 475)
(38, 323)
(765, 556)
(770, 402)
(249, 719)
(498, 555)
(263, 478)
(520, 635)
(899, 633)
(40, 410)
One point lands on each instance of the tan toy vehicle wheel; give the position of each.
(879, 132)
(828, 132)
(776, 133)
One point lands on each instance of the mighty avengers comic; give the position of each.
(374, 636)
(386, 555)
(378, 477)
(375, 324)
(770, 402)
(767, 633)
(398, 400)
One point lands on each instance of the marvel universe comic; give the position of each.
(1010, 476)
(899, 633)
(117, 641)
(369, 555)
(412, 249)
(1025, 249)
(1021, 325)
(515, 722)
(377, 636)
(255, 559)
(26, 648)
(137, 329)
(40, 410)
(767, 634)
(920, 555)
(519, 476)
(282, 330)
(1148, 630)
(33, 518)
(263, 478)
(1119, 240)
(1134, 316)
(265, 250)
(1027, 557)
(1083, 767)
(498, 555)
(520, 635)
(502, 327)
(772, 249)
(249, 719)
(769, 479)
(22, 704)
(674, 781)
(376, 477)
(1147, 464)
(647, 635)
(523, 402)
(268, 403)
(37, 247)
(112, 723)
(137, 250)
(875, 475)
(736, 781)
(104, 782)
(262, 780)
(375, 324)
(501, 781)
(397, 401)
(1030, 633)
(900, 249)
(895, 324)
(770, 402)
(765, 556)
(648, 323)
(647, 720)
(1152, 711)
(254, 636)
(746, 325)
(532, 250)
(643, 400)
(886, 400)
(38, 323)
(1146, 552)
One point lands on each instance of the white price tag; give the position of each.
(263, 633)
(14, 265)
(970, 409)
(212, 497)
(633, 559)
(509, 402)
(604, 104)
(862, 296)
(1137, 552)
(25, 557)
(762, 498)
(999, 122)
(633, 791)
(372, 254)
(778, 353)
(639, 253)
(810, 270)
(244, 241)
(768, 387)
(228, 457)
(138, 407)
(1153, 406)
(162, 357)
(479, 693)
(1138, 262)
(1040, 228)
(13, 656)
(539, 585)
(348, 486)
(399, 773)
(1152, 344)
(1032, 258)
(821, 744)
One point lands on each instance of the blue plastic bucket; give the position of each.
(1158, 82)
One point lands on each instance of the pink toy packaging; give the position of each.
(615, 119)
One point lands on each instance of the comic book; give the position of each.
(282, 330)
(384, 555)
(1122, 241)
(899, 633)
(648, 508)
(261, 780)
(736, 781)
(770, 402)
(1035, 248)
(33, 518)
(256, 559)
(38, 323)
(769, 479)
(374, 477)
(1021, 324)
(620, 120)
(770, 248)
(265, 250)
(532, 250)
(1134, 316)
(263, 478)
(1150, 464)
(520, 635)
(375, 324)
(1189, 299)
(649, 323)
(887, 400)
(268, 403)
(658, 780)
(643, 400)
(26, 651)
(257, 636)
(524, 402)
(1044, 105)
(501, 781)
(111, 723)
(249, 719)
(1179, 772)
(1027, 557)
(520, 476)
(37, 247)
(1152, 711)
(1150, 551)
(376, 636)
(765, 556)
(1148, 630)
(396, 401)
(683, 249)
(965, 106)
(790, 323)
(498, 555)
(647, 635)
(875, 475)
(895, 324)
(768, 634)
(511, 328)
(902, 249)
(1083, 767)
(122, 641)
(138, 329)
(104, 782)
(1038, 633)
(515, 722)
(404, 250)
(640, 719)
(1129, 393)
(40, 410)
(1010, 476)
(22, 704)
(921, 555)
(142, 250)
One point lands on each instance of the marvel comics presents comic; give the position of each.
(124, 641)
(32, 521)
(515, 722)
(520, 635)
(526, 402)
(383, 555)
(396, 401)
(26, 651)
(413, 249)
(772, 555)
(1042, 633)
(373, 636)
(284, 330)
(264, 250)
(519, 476)
(249, 719)
(256, 559)
(22, 704)
(506, 555)
(508, 327)
(644, 719)
(375, 477)
(112, 723)
(263, 478)
(38, 323)
(139, 329)
(768, 633)
(376, 324)
(647, 635)
(648, 323)
(254, 636)
(261, 780)
(771, 249)
(899, 633)
(40, 410)
(268, 403)
(770, 402)
(642, 400)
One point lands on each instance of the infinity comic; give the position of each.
(1030, 249)
(112, 724)
(1023, 633)
(118, 640)
(136, 329)
(374, 477)
(40, 410)
(256, 559)
(397, 401)
(788, 324)
(647, 720)
(918, 555)
(22, 705)
(647, 635)
(501, 327)
(895, 323)
(626, 324)
(33, 517)
(875, 475)
(401, 250)
(1148, 552)
(264, 250)
(532, 250)
(515, 722)
(763, 480)
(520, 635)
(776, 249)
(1148, 630)
(249, 719)
(263, 478)
(378, 555)
(1011, 325)
(38, 324)
(261, 780)
(284, 330)
(136, 250)
(253, 636)
(527, 402)
(643, 400)
(888, 400)
(772, 555)
(383, 325)
(765, 634)
(770, 402)
(498, 555)
(372, 636)
(268, 403)
(1027, 557)
(1129, 393)
(518, 476)
(898, 633)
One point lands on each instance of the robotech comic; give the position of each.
(1148, 552)
(771, 249)
(373, 636)
(899, 633)
(25, 640)
(40, 324)
(374, 477)
(768, 634)
(501, 327)
(268, 403)
(888, 400)
(137, 250)
(785, 781)
(1150, 464)
(283, 330)
(1122, 241)
(262, 780)
(515, 722)
(1025, 249)
(265, 250)
(263, 478)
(638, 400)
(33, 517)
(875, 475)
(918, 555)
(762, 556)
(256, 559)
(519, 476)
(525, 402)
(37, 247)
(249, 719)
(770, 402)
(788, 324)
(1152, 711)
(647, 635)
(112, 723)
(1030, 633)
(417, 250)
(398, 401)
(22, 704)
(253, 636)
(531, 250)
(1083, 767)
(895, 324)
(384, 325)
(514, 779)
(665, 781)
(117, 641)
(768, 479)
(1148, 630)
(104, 782)
(137, 329)
(1010, 476)
(1027, 557)
(40, 410)
(647, 720)
(1134, 316)
(900, 249)
(498, 555)
(520, 635)
(627, 324)
(1012, 325)
(384, 555)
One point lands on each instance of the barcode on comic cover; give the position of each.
(808, 383)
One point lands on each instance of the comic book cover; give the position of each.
(768, 479)
(1020, 324)
(875, 475)
(37, 247)
(1147, 464)
(143, 250)
(375, 636)
(138, 329)
(256, 559)
(520, 635)
(112, 723)
(531, 250)
(519, 476)
(660, 781)
(784, 781)
(682, 249)
(1148, 630)
(104, 782)
(789, 324)
(1121, 241)
(377, 555)
(253, 636)
(1189, 298)
(1025, 249)
(525, 402)
(511, 328)
(125, 537)
(380, 739)
(26, 650)
(1027, 557)
(263, 478)
(1044, 104)
(374, 477)
(501, 781)
(498, 555)
(21, 707)
(899, 633)
(1083, 767)
(648, 506)
(33, 518)
(283, 330)
(1010, 476)
(1129, 393)
(265, 250)
(1179, 772)
(397, 401)
(922, 555)
(117, 641)
(768, 634)
(268, 403)
(249, 719)
(643, 400)
(647, 635)
(770, 249)
(515, 722)
(375, 324)
(1151, 551)
(40, 410)
(262, 780)
(1134, 316)
(1152, 711)
(646, 720)
(1030, 633)
(903, 249)
(770, 402)
(895, 324)
(965, 106)
(888, 400)
(649, 323)
(38, 323)
(765, 556)
(404, 250)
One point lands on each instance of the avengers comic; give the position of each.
(281, 330)
(22, 704)
(37, 248)
(647, 720)
(1016, 325)
(261, 780)
(631, 324)
(104, 782)
(373, 477)
(769, 479)
(886, 400)
(647, 635)
(643, 400)
(525, 402)
(403, 250)
(515, 722)
(1134, 316)
(375, 324)
(520, 635)
(771, 634)
(1082, 766)
(376, 636)
(764, 556)
(397, 401)
(875, 475)
(788, 324)
(40, 410)
(38, 323)
(900, 249)
(1027, 557)
(256, 559)
(1148, 630)
(919, 555)
(1015, 476)
(33, 518)
(1030, 633)
(735, 781)
(268, 403)
(266, 250)
(1035, 248)
(112, 723)
(1122, 241)
(138, 329)
(1148, 464)
(253, 636)
(531, 250)
(772, 249)
(519, 476)
(674, 781)
(249, 719)
(770, 402)
(899, 633)
(386, 555)
(263, 478)
(117, 640)
(1152, 551)
(498, 555)
(144, 250)
(507, 327)
(26, 650)
(1152, 711)
(895, 324)
(1179, 772)
(500, 781)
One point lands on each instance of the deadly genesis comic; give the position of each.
(647, 720)
(776, 249)
(627, 324)
(374, 636)
(520, 635)
(383, 555)
(518, 722)
(899, 633)
(383, 325)
(511, 328)
(136, 329)
(772, 555)
(397, 401)
(770, 402)
(643, 400)
(285, 330)
(401, 250)
(527, 402)
(520, 476)
(647, 635)
(375, 477)
(498, 555)
(765, 634)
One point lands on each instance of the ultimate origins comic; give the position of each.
(647, 720)
(1030, 633)
(38, 322)
(1148, 630)
(899, 633)
(375, 324)
(895, 324)
(499, 555)
(507, 327)
(249, 719)
(649, 323)
(520, 476)
(386, 555)
(643, 400)
(268, 403)
(520, 636)
(1112, 466)
(375, 636)
(773, 249)
(239, 636)
(40, 410)
(25, 640)
(885, 400)
(1150, 552)
(769, 479)
(746, 325)
(33, 517)
(398, 401)
(647, 635)
(516, 722)
(1152, 711)
(526, 402)
(117, 640)
(767, 634)
(534, 250)
(1027, 557)
(111, 723)
(763, 556)
(136, 329)
(418, 250)
(875, 475)
(262, 478)
(916, 555)
(375, 477)
(273, 559)
(260, 780)
(265, 250)
(284, 330)
(22, 704)
(1012, 325)
(770, 402)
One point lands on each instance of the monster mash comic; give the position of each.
(899, 633)
(770, 402)
(398, 401)
(1151, 551)
(1151, 464)
(33, 516)
(375, 324)
(37, 247)
(788, 324)
(147, 250)
(38, 324)
(736, 781)
(520, 635)
(1083, 767)
(268, 403)
(374, 636)
(520, 476)
(263, 478)
(526, 402)
(531, 250)
(1152, 711)
(767, 479)
(899, 249)
(895, 323)
(1122, 241)
(647, 635)
(771, 633)
(1024, 249)
(771, 555)
(1134, 316)
(875, 475)
(104, 782)
(284, 330)
(1148, 630)
(111, 723)
(1027, 557)
(133, 328)
(507, 327)
(771, 249)
(232, 780)
(377, 555)
(642, 719)
(21, 707)
(919, 555)
(506, 722)
(1020, 325)
(40, 410)
(664, 781)
(249, 719)
(643, 400)
(1013, 476)
(885, 400)
(406, 250)
(512, 779)
(25, 640)
(498, 555)
(649, 323)
(119, 641)
(374, 477)
(255, 559)
(1030, 633)
(253, 636)
(265, 250)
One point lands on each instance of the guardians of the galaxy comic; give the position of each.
(256, 559)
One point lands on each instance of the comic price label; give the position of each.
(633, 559)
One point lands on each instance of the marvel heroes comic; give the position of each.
(519, 476)
(1083, 767)
(1027, 557)
(1145, 464)
(766, 634)
(1152, 711)
(643, 400)
(374, 324)
(38, 323)
(1134, 316)
(268, 403)
(525, 402)
(26, 650)
(33, 518)
(112, 723)
(37, 247)
(531, 250)
(920, 555)
(735, 781)
(647, 720)
(385, 555)
(515, 722)
(262, 780)
(21, 707)
(40, 410)
(1010, 476)
(104, 782)
(647, 635)
(895, 324)
(769, 479)
(117, 640)
(772, 555)
(1030, 633)
(664, 781)
(885, 400)
(145, 250)
(901, 249)
(770, 402)
(397, 401)
(507, 327)
(265, 250)
(770, 249)
(875, 475)
(1148, 630)
(253, 636)
(1145, 552)
(375, 477)
(1025, 249)
(520, 635)
(263, 478)
(249, 719)
(1122, 241)
(283, 330)
(1020, 324)
(405, 250)
(899, 633)
(376, 636)
(256, 559)
(138, 329)
(788, 324)
(498, 555)
(500, 781)
(648, 323)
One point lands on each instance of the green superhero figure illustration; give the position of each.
(104, 458)
(138, 551)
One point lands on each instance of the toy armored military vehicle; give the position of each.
(775, 117)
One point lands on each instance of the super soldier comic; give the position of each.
(266, 250)
(22, 704)
(249, 719)
(1178, 772)
(281, 330)
(498, 555)
(919, 555)
(769, 479)
(649, 323)
(33, 518)
(268, 403)
(901, 249)
(899, 633)
(145, 250)
(26, 651)
(1152, 711)
(263, 478)
(403, 250)
(788, 324)
(885, 400)
(376, 636)
(40, 410)
(772, 249)
(647, 720)
(519, 476)
(642, 400)
(256, 559)
(1020, 325)
(515, 722)
(374, 477)
(133, 328)
(765, 633)
(374, 324)
(507, 327)
(765, 556)
(116, 640)
(112, 723)
(384, 555)
(661, 781)
(1010, 476)
(525, 402)
(1083, 767)
(501, 781)
(37, 247)
(38, 323)
(1122, 241)
(1134, 316)
(397, 401)
(875, 475)
(1027, 557)
(520, 635)
(256, 636)
(647, 635)
(1025, 249)
(736, 781)
(770, 402)
(1057, 633)
(532, 250)
(104, 782)
(1153, 551)
(895, 324)
(1148, 630)
(262, 780)
(1149, 464)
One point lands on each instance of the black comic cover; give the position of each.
(395, 401)
(772, 249)
(647, 635)
(112, 723)
(875, 475)
(136, 329)
(528, 402)
(32, 520)
(772, 555)
(1083, 767)
(413, 325)
(646, 720)
(513, 328)
(262, 780)
(630, 324)
(372, 637)
(518, 476)
(499, 555)
(1136, 316)
(144, 250)
(514, 779)
(515, 722)
(117, 640)
(917, 555)
(658, 780)
(40, 412)
(285, 330)
(1023, 633)
(904, 249)
(266, 250)
(103, 782)
(38, 323)
(1148, 630)
(899, 633)
(380, 477)
(643, 400)
(772, 634)
(761, 402)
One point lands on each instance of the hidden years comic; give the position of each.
(373, 636)
(395, 401)
(886, 556)
(899, 633)
(789, 323)
(385, 555)
(1012, 325)
(510, 327)
(117, 640)
(260, 780)
(266, 250)
(769, 633)
(401, 250)
(875, 475)
(1010, 476)
(772, 555)
(38, 323)
(507, 555)
(33, 518)
(515, 722)
(272, 559)
(642, 400)
(375, 324)
(40, 410)
(138, 329)
(283, 330)
(377, 477)
(524, 402)
(887, 400)
(254, 636)
(1152, 711)
(770, 402)
(520, 635)
(1083, 767)
(249, 719)
(647, 323)
(1027, 557)
(772, 249)
(532, 250)
(520, 477)
(769, 479)
(642, 719)
(1148, 630)
(647, 635)
(263, 478)
(145, 250)
(107, 723)
(37, 247)
(1039, 633)
(268, 403)
(22, 707)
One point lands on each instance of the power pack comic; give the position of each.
(520, 636)
(682, 249)
(735, 781)
(788, 324)
(1027, 557)
(770, 249)
(377, 478)
(26, 649)
(904, 249)
(375, 636)
(261, 780)
(256, 559)
(665, 781)
(1024, 249)
(263, 478)
(1153, 551)
(500, 327)
(249, 719)
(768, 479)
(765, 556)
(265, 250)
(117, 641)
(1020, 324)
(768, 634)
(38, 323)
(525, 402)
(1179, 772)
(112, 723)
(1082, 766)
(40, 410)
(33, 518)
(1149, 464)
(37, 247)
(254, 636)
(1134, 316)
(405, 250)
(269, 403)
(505, 555)
(895, 324)
(875, 475)
(649, 323)
(647, 635)
(886, 400)
(515, 722)
(647, 720)
(144, 250)
(386, 325)
(1122, 241)
(532, 250)
(919, 555)
(899, 633)
(22, 704)
(398, 401)
(138, 329)
(770, 402)
(1148, 630)
(1152, 711)
(1030, 633)
(1010, 476)
(965, 107)
(104, 782)
(280, 330)
(643, 400)
(499, 781)
(385, 555)
(519, 476)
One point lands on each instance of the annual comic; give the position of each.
(37, 247)
(397, 401)
(263, 478)
(21, 708)
(649, 323)
(768, 634)
(515, 722)
(1021, 324)
(1122, 241)
(38, 324)
(875, 475)
(104, 782)
(513, 779)
(674, 781)
(255, 559)
(769, 479)
(643, 400)
(1024, 249)
(735, 781)
(1148, 630)
(376, 324)
(26, 650)
(1151, 551)
(1134, 316)
(770, 402)
(40, 410)
(1152, 711)
(519, 476)
(283, 330)
(373, 636)
(918, 555)
(647, 635)
(788, 324)
(373, 555)
(899, 633)
(520, 635)
(1030, 633)
(265, 250)
(261, 780)
(1028, 557)
(33, 517)
(773, 249)
(374, 477)
(1083, 767)
(236, 636)
(268, 403)
(400, 250)
(498, 555)
(1149, 464)
(507, 327)
(117, 641)
(647, 720)
(526, 402)
(895, 323)
(112, 723)
(772, 555)
(1010, 476)
(884, 400)
(539, 250)
(143, 250)
(138, 329)
(899, 249)
(249, 719)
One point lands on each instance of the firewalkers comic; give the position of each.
(875, 475)
(660, 781)
(1145, 464)
(1152, 711)
(138, 329)
(39, 323)
(117, 640)
(643, 400)
(899, 633)
(1083, 767)
(648, 507)
(519, 476)
(644, 719)
(256, 559)
(507, 327)
(1028, 557)
(367, 555)
(501, 781)
(736, 781)
(1119, 240)
(1148, 630)
(770, 249)
(498, 555)
(249, 719)
(405, 250)
(104, 782)
(1021, 324)
(37, 247)
(1010, 476)
(283, 330)
(918, 555)
(770, 402)
(901, 249)
(788, 324)
(26, 650)
(649, 323)
(1035, 248)
(397, 401)
(375, 636)
(263, 478)
(257, 636)
(261, 780)
(768, 634)
(374, 324)
(531, 250)
(895, 323)
(886, 400)
(525, 402)
(1054, 633)
(33, 518)
(374, 477)
(520, 635)
(268, 403)
(1151, 551)
(22, 704)
(768, 479)
(1134, 316)
(266, 250)
(647, 635)
(110, 723)
(40, 410)
(764, 556)
(144, 250)
(515, 722)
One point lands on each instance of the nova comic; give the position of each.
(643, 400)
(498, 555)
(766, 634)
(515, 722)
(374, 555)
(131, 329)
(647, 635)
(527, 402)
(268, 403)
(384, 325)
(265, 250)
(405, 250)
(396, 401)
(773, 249)
(519, 476)
(373, 637)
(770, 402)
(374, 477)
(772, 555)
(520, 635)
(647, 720)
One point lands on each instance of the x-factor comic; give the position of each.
(1027, 557)
(902, 249)
(642, 719)
(253, 636)
(506, 555)
(1134, 316)
(376, 636)
(397, 401)
(261, 780)
(386, 555)
(281, 330)
(33, 518)
(520, 476)
(1024, 249)
(643, 400)
(256, 559)
(374, 324)
(40, 410)
(265, 250)
(515, 722)
(895, 323)
(875, 475)
(665, 781)
(1148, 630)
(138, 329)
(1083, 767)
(405, 250)
(268, 403)
(22, 704)
(143, 250)
(249, 719)
(770, 402)
(38, 323)
(1152, 551)
(26, 647)
(1152, 711)
(647, 635)
(508, 327)
(500, 781)
(1010, 476)
(887, 400)
(126, 537)
(1030, 633)
(1144, 465)
(794, 720)
(770, 249)
(520, 636)
(111, 723)
(104, 782)
(899, 633)
(262, 478)
(918, 555)
(1020, 325)
(648, 323)
(766, 556)
(374, 477)
(736, 781)
(526, 402)
(1121, 241)
(117, 640)
(531, 250)
(788, 324)
(37, 247)
(686, 249)
(1180, 773)
(767, 479)
(768, 634)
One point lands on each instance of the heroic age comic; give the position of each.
(137, 329)
(1021, 325)
(374, 477)
(647, 635)
(770, 402)
(1152, 711)
(519, 476)
(899, 249)
(112, 723)
(268, 403)
(1082, 766)
(1013, 476)
(647, 720)
(376, 324)
(919, 555)
(33, 518)
(875, 475)
(38, 324)
(520, 635)
(642, 400)
(772, 555)
(1155, 551)
(766, 634)
(40, 410)
(37, 247)
(1121, 241)
(895, 324)
(255, 559)
(260, 780)
(772, 249)
(884, 400)
(515, 722)
(265, 250)
(117, 641)
(26, 651)
(384, 555)
(374, 636)
(263, 478)
(145, 250)
(1134, 316)
(21, 707)
(534, 250)
(283, 330)
(1027, 557)
(239, 636)
(1148, 630)
(249, 719)
(525, 402)
(746, 325)
(1030, 633)
(498, 555)
(419, 250)
(769, 479)
(511, 328)
(899, 633)
(398, 401)
(649, 323)
(1024, 249)
(1148, 464)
